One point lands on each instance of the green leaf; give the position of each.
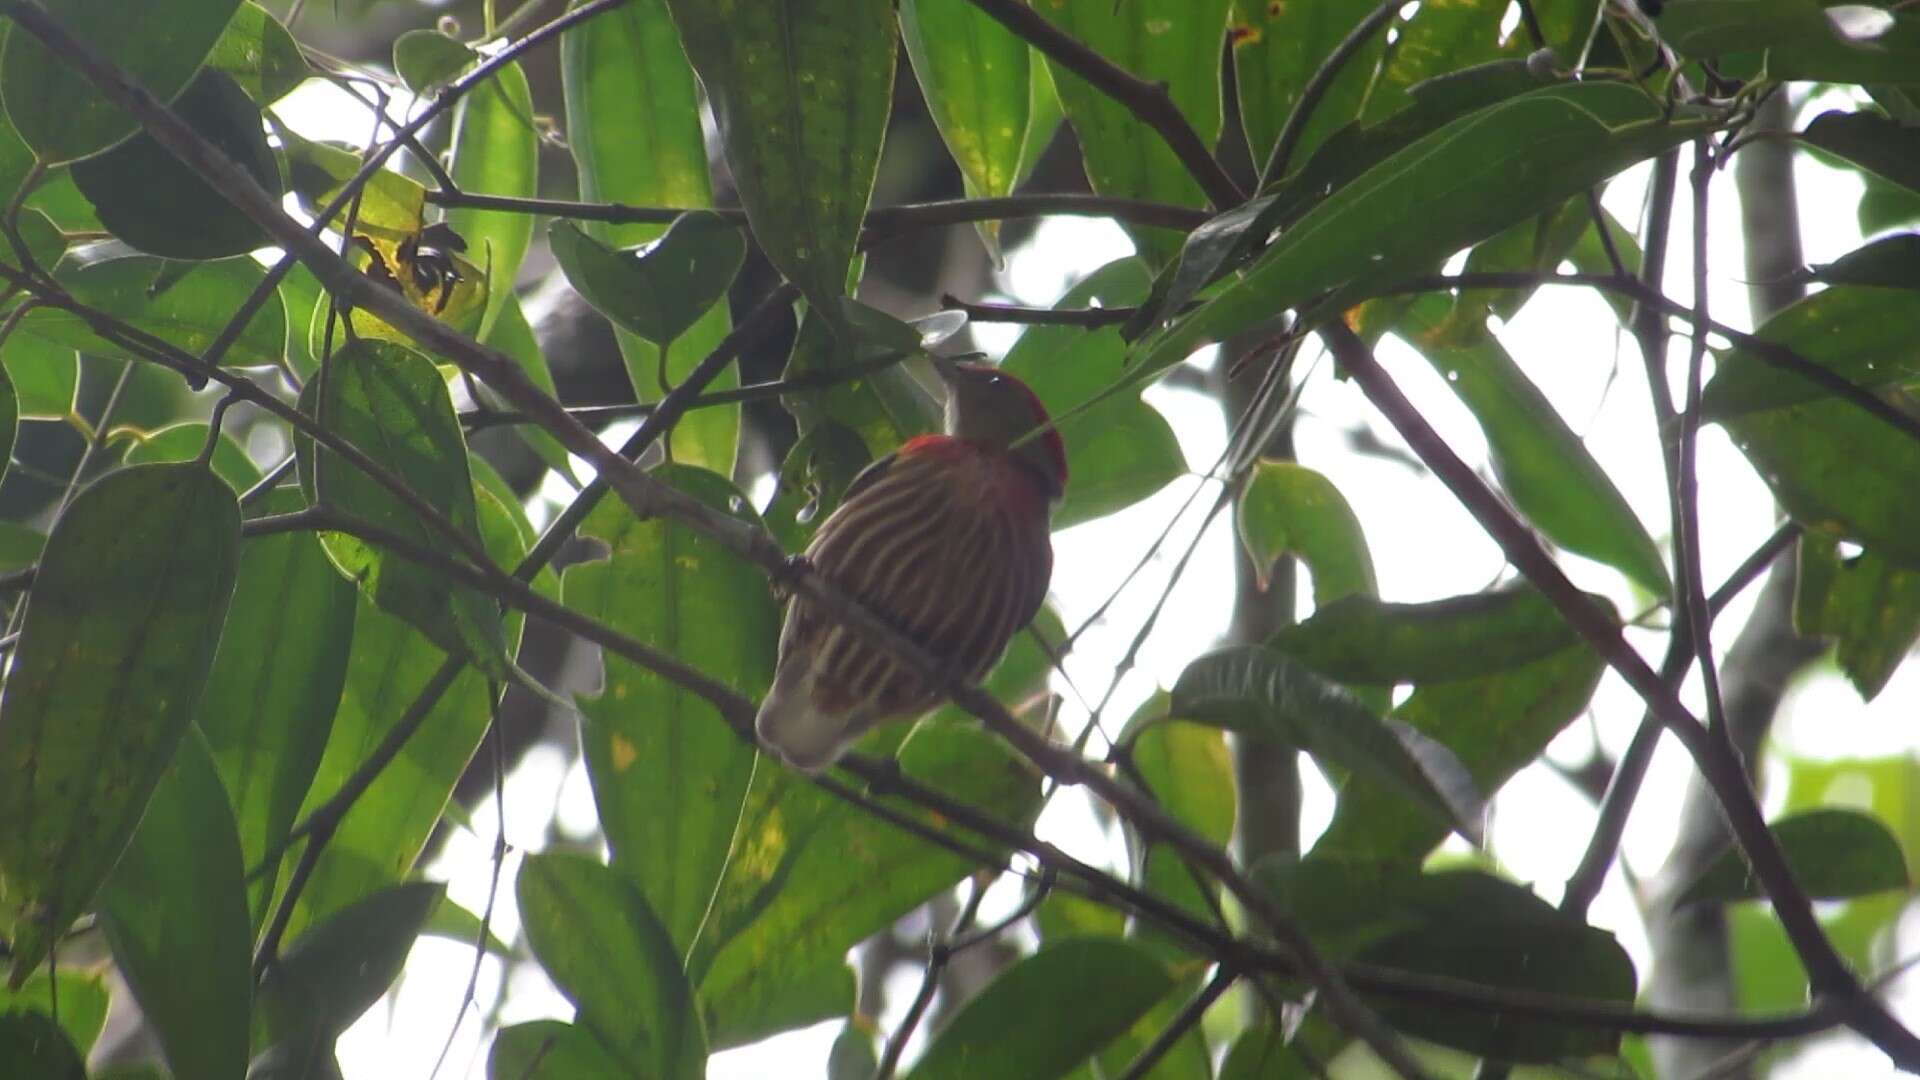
(1187, 768)
(390, 203)
(1891, 262)
(1174, 42)
(1496, 725)
(1476, 927)
(455, 923)
(1344, 902)
(83, 1003)
(339, 968)
(598, 940)
(801, 90)
(883, 409)
(1544, 467)
(276, 680)
(1868, 336)
(1359, 639)
(1539, 245)
(1869, 605)
(9, 418)
(114, 650)
(44, 375)
(1121, 450)
(175, 911)
(187, 310)
(391, 402)
(1289, 509)
(1883, 147)
(633, 124)
(20, 546)
(185, 442)
(1839, 473)
(1835, 854)
(426, 60)
(260, 55)
(496, 151)
(668, 773)
(551, 1050)
(1436, 40)
(853, 1056)
(383, 835)
(34, 1046)
(1277, 48)
(149, 198)
(1016, 1027)
(811, 876)
(975, 76)
(1187, 1059)
(1802, 41)
(513, 335)
(657, 293)
(1536, 149)
(56, 108)
(1260, 691)
(1262, 1052)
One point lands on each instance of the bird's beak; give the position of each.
(945, 368)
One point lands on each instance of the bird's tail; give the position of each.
(794, 727)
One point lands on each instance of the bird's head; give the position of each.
(988, 406)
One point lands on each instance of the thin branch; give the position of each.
(1149, 102)
(1318, 85)
(1189, 1016)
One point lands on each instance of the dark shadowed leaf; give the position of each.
(1537, 149)
(276, 682)
(496, 151)
(1889, 262)
(660, 291)
(1835, 854)
(83, 1003)
(1473, 926)
(33, 1046)
(188, 310)
(1175, 42)
(601, 944)
(1262, 1052)
(114, 650)
(1188, 1058)
(455, 923)
(551, 1050)
(1289, 509)
(1871, 607)
(1343, 902)
(1839, 472)
(1362, 640)
(1869, 336)
(149, 198)
(668, 772)
(59, 112)
(260, 55)
(801, 90)
(336, 970)
(1118, 451)
(175, 911)
(976, 78)
(1802, 39)
(1885, 147)
(1261, 691)
(633, 124)
(1017, 1029)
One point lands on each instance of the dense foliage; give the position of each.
(262, 620)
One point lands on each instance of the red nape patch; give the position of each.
(1050, 435)
(930, 444)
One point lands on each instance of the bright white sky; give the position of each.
(1424, 547)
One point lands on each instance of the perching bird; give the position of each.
(947, 538)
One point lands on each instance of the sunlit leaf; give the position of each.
(496, 151)
(975, 77)
(260, 54)
(428, 59)
(1289, 509)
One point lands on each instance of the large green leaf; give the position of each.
(1187, 768)
(513, 334)
(1835, 854)
(1838, 472)
(33, 1044)
(1868, 336)
(1261, 691)
(810, 877)
(1187, 1059)
(276, 681)
(599, 941)
(1438, 39)
(118, 636)
(1871, 607)
(550, 1050)
(976, 78)
(336, 970)
(44, 375)
(1879, 145)
(1289, 509)
(633, 124)
(1535, 149)
(426, 60)
(1277, 48)
(1801, 39)
(260, 54)
(176, 914)
(668, 773)
(496, 151)
(1016, 1027)
(185, 309)
(1541, 463)
(185, 442)
(155, 202)
(1359, 639)
(801, 90)
(391, 402)
(1174, 42)
(1118, 451)
(56, 108)
(657, 293)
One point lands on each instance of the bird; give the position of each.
(948, 540)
